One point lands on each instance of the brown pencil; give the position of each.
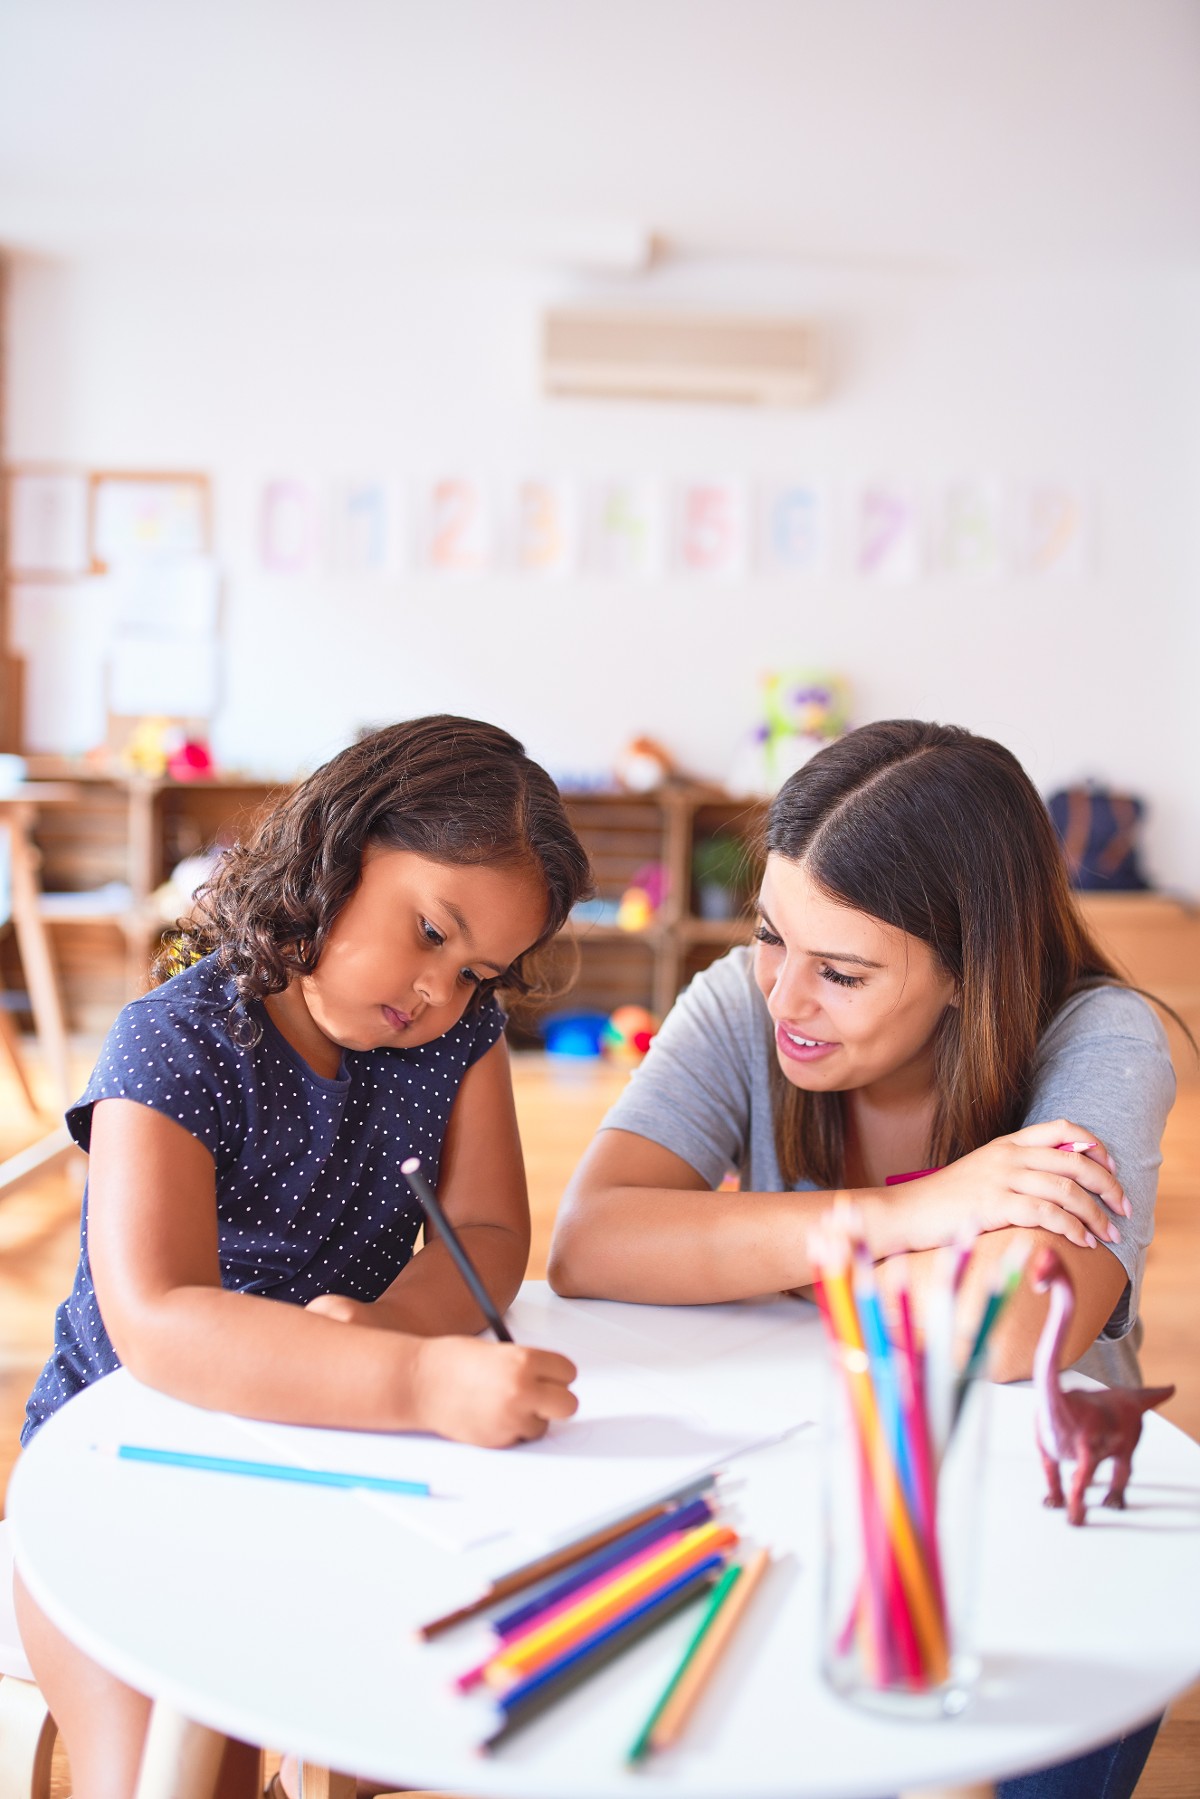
(531, 1572)
(678, 1709)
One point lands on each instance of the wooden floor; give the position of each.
(559, 1110)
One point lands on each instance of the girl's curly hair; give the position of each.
(452, 789)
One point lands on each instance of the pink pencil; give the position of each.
(472, 1677)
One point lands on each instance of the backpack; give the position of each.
(1099, 830)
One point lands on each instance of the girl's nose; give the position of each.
(434, 986)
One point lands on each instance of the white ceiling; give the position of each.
(960, 132)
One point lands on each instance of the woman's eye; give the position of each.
(840, 979)
(763, 935)
(431, 933)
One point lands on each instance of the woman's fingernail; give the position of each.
(1089, 1239)
(1126, 1207)
(1114, 1235)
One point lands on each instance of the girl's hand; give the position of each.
(340, 1309)
(491, 1394)
(1053, 1177)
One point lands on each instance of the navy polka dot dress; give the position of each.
(310, 1198)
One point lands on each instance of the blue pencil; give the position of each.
(220, 1464)
(526, 1702)
(682, 1518)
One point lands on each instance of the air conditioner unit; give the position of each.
(681, 356)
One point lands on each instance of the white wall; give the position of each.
(361, 365)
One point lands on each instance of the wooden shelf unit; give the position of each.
(123, 829)
(133, 830)
(622, 833)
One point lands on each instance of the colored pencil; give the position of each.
(308, 1477)
(473, 1677)
(641, 1743)
(528, 1574)
(1005, 1281)
(918, 1594)
(710, 1647)
(939, 1350)
(523, 1654)
(683, 1517)
(528, 1701)
(431, 1205)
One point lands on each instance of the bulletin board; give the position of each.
(113, 602)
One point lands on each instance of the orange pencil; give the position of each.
(712, 1646)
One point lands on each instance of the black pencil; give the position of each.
(411, 1170)
(588, 1659)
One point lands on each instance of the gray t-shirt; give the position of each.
(704, 1093)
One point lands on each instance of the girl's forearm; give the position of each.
(673, 1246)
(263, 1358)
(429, 1297)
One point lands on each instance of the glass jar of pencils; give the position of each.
(902, 1473)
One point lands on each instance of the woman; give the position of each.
(921, 995)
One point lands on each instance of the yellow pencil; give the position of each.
(678, 1709)
(539, 1645)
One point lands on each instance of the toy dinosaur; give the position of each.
(1084, 1427)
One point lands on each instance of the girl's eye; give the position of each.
(840, 979)
(763, 935)
(469, 976)
(432, 934)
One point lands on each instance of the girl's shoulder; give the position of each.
(203, 984)
(1106, 1011)
(197, 1006)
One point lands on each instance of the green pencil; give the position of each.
(715, 1602)
(1009, 1281)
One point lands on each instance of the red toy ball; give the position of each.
(628, 1035)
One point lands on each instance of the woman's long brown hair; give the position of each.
(452, 789)
(941, 834)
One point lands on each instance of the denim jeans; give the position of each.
(1110, 1772)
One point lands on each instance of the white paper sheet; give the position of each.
(62, 632)
(170, 599)
(47, 521)
(172, 678)
(640, 1432)
(136, 519)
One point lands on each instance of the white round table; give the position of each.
(283, 1614)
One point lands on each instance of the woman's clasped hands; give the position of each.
(1055, 1177)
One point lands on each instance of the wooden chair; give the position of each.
(27, 1731)
(10, 1042)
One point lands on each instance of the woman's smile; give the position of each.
(798, 1046)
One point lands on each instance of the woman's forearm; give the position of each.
(672, 1246)
(263, 1358)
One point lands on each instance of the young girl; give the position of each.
(921, 994)
(247, 1120)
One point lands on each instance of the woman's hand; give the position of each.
(1053, 1177)
(491, 1394)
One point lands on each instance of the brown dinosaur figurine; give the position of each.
(1084, 1427)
